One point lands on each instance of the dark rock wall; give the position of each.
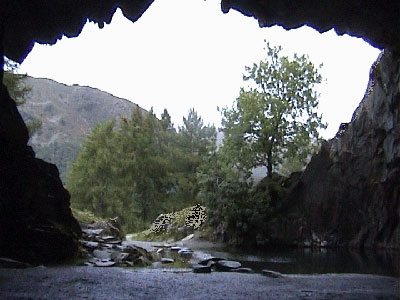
(377, 22)
(36, 224)
(27, 21)
(350, 191)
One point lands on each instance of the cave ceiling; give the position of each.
(24, 22)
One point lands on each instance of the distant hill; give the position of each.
(68, 114)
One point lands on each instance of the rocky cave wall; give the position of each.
(349, 194)
(36, 223)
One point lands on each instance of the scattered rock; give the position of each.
(201, 269)
(205, 261)
(90, 245)
(227, 265)
(272, 274)
(119, 256)
(185, 253)
(103, 249)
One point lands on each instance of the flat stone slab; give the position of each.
(272, 274)
(90, 245)
(105, 264)
(185, 253)
(243, 270)
(166, 260)
(227, 265)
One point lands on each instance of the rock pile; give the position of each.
(103, 246)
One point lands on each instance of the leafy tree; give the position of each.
(138, 170)
(273, 123)
(275, 118)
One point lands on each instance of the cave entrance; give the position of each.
(211, 60)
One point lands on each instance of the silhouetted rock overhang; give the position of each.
(27, 21)
(377, 22)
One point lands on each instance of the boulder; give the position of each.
(201, 269)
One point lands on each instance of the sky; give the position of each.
(186, 53)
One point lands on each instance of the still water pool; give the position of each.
(308, 261)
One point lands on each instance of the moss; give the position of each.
(167, 226)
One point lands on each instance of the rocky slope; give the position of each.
(349, 194)
(67, 114)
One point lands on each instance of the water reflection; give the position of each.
(309, 261)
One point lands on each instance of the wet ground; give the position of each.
(66, 283)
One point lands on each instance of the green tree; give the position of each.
(14, 82)
(18, 90)
(90, 180)
(196, 141)
(275, 118)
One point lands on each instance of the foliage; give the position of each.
(18, 90)
(273, 123)
(14, 82)
(275, 118)
(137, 170)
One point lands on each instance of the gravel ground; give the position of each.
(69, 283)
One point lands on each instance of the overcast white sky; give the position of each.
(187, 53)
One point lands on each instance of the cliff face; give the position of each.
(350, 192)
